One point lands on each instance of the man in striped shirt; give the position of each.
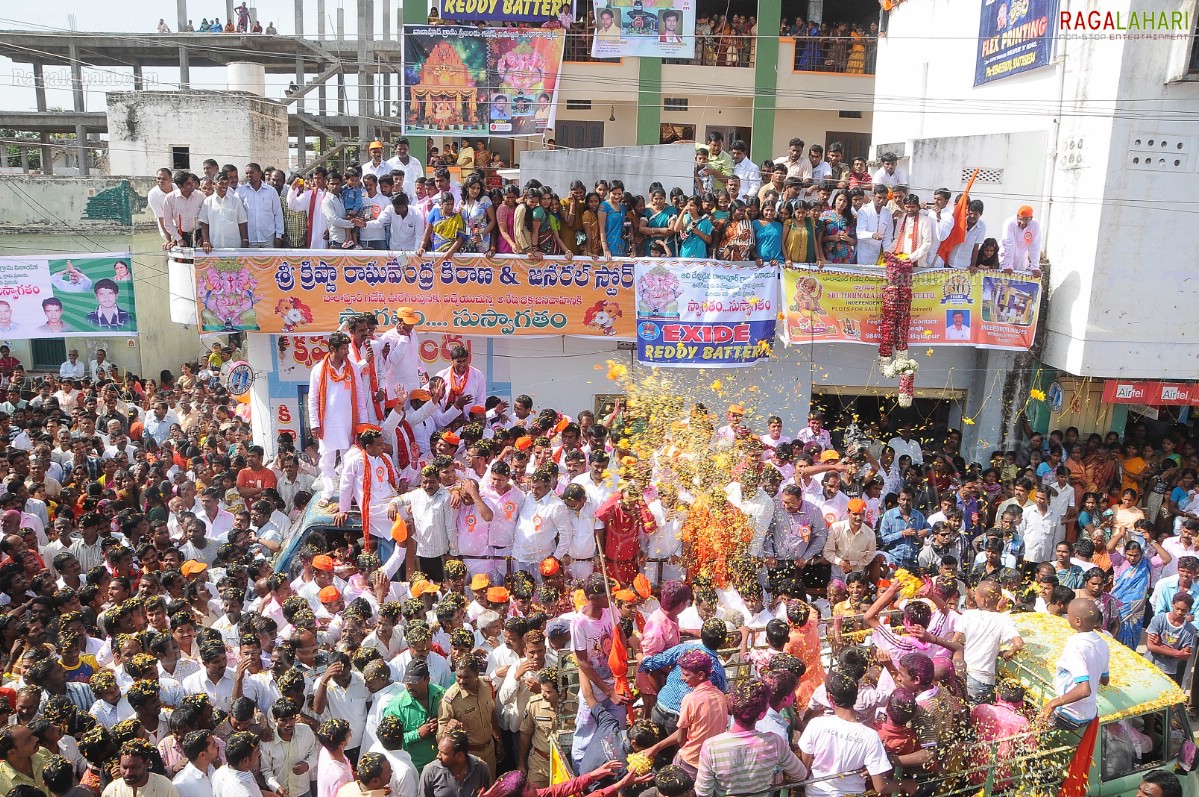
(743, 759)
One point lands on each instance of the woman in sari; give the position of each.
(1109, 607)
(857, 53)
(1100, 469)
(1132, 590)
(1088, 515)
(611, 221)
(835, 236)
(545, 227)
(505, 214)
(737, 243)
(593, 245)
(1128, 513)
(1078, 472)
(522, 222)
(656, 222)
(804, 644)
(446, 230)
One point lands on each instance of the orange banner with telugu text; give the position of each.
(297, 291)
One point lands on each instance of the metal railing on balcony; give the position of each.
(578, 46)
(847, 55)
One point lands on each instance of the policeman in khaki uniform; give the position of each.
(537, 728)
(469, 704)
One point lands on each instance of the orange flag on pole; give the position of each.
(1075, 783)
(618, 662)
(958, 234)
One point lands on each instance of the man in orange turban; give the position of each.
(1020, 244)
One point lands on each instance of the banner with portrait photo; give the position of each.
(644, 28)
(85, 295)
(469, 81)
(844, 304)
(1014, 36)
(533, 12)
(705, 313)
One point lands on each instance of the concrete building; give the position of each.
(149, 129)
(1100, 143)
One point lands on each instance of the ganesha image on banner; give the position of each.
(658, 292)
(226, 297)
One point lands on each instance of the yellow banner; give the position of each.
(308, 292)
(989, 309)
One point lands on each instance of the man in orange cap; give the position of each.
(851, 543)
(735, 426)
(322, 576)
(337, 401)
(1020, 246)
(405, 369)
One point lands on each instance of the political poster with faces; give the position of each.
(644, 28)
(78, 295)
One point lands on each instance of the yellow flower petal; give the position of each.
(968, 421)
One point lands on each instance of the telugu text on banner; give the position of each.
(469, 81)
(705, 313)
(86, 295)
(529, 11)
(1014, 36)
(949, 307)
(311, 291)
(644, 28)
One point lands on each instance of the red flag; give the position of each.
(958, 233)
(1075, 783)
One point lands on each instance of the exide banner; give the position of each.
(1151, 394)
(705, 313)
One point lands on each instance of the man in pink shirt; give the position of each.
(661, 634)
(704, 714)
(1002, 720)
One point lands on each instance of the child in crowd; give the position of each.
(1059, 601)
(896, 729)
(777, 635)
(351, 199)
(1081, 669)
(979, 635)
(1172, 637)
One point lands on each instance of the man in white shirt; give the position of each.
(236, 778)
(341, 693)
(403, 225)
(217, 522)
(72, 368)
(576, 550)
(377, 166)
(1020, 246)
(264, 214)
(222, 218)
(157, 196)
(965, 254)
(404, 367)
(794, 161)
(334, 213)
(940, 217)
(373, 205)
(195, 779)
(821, 170)
(102, 367)
(181, 210)
(309, 198)
(745, 169)
(294, 747)
(889, 174)
(904, 443)
(543, 520)
(406, 163)
(462, 379)
(958, 329)
(1038, 527)
(913, 232)
(432, 533)
(215, 677)
(874, 227)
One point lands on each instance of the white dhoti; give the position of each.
(344, 404)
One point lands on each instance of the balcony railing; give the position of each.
(578, 46)
(846, 55)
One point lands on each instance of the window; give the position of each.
(672, 134)
(849, 114)
(181, 158)
(578, 105)
(674, 103)
(1193, 64)
(579, 135)
(1137, 743)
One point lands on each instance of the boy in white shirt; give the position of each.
(978, 636)
(1081, 669)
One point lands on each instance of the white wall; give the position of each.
(229, 127)
(1120, 283)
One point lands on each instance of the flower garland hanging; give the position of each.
(896, 319)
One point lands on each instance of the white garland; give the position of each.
(898, 366)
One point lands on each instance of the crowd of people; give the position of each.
(151, 647)
(244, 24)
(801, 207)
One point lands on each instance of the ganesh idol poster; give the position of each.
(468, 81)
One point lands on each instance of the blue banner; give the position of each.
(1014, 36)
(705, 313)
(538, 11)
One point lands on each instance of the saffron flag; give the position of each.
(1075, 783)
(618, 662)
(958, 233)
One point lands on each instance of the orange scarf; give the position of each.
(406, 450)
(322, 392)
(911, 235)
(367, 480)
(457, 386)
(370, 365)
